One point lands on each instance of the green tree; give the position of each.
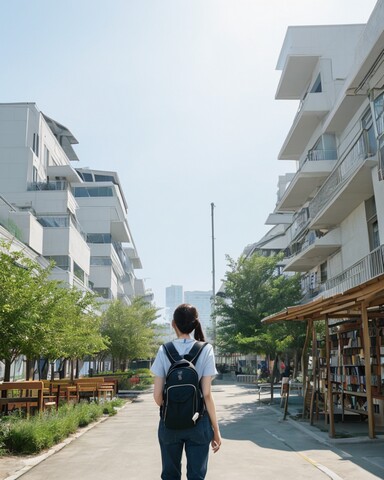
(41, 318)
(24, 289)
(129, 330)
(74, 329)
(254, 289)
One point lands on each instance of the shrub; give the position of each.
(20, 435)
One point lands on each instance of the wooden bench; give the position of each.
(25, 394)
(94, 387)
(59, 389)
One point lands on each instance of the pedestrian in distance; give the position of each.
(193, 433)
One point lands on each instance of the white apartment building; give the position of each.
(78, 218)
(329, 217)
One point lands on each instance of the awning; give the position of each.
(342, 305)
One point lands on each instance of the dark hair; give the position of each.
(186, 319)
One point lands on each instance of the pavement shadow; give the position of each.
(257, 423)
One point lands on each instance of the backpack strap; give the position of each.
(171, 352)
(195, 351)
(174, 356)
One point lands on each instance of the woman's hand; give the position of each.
(216, 442)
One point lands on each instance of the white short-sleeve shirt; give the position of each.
(205, 364)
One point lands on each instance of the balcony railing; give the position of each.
(300, 221)
(353, 160)
(51, 185)
(367, 268)
(319, 155)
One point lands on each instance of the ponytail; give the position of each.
(199, 334)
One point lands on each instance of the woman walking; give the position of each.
(197, 439)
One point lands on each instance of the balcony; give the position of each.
(367, 268)
(56, 194)
(315, 168)
(65, 171)
(314, 250)
(347, 186)
(311, 111)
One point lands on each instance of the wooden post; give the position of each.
(367, 362)
(304, 363)
(314, 368)
(331, 417)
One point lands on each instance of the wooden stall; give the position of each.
(347, 374)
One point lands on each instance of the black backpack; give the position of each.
(183, 399)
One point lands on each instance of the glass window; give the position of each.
(35, 144)
(99, 238)
(104, 261)
(52, 221)
(323, 272)
(104, 178)
(103, 292)
(78, 272)
(316, 87)
(379, 105)
(93, 192)
(46, 156)
(61, 261)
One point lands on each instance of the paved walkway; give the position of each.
(257, 443)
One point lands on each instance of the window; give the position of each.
(93, 192)
(103, 261)
(54, 221)
(372, 224)
(370, 143)
(34, 175)
(104, 178)
(316, 87)
(323, 272)
(324, 149)
(103, 292)
(99, 238)
(46, 157)
(87, 177)
(61, 261)
(35, 144)
(78, 272)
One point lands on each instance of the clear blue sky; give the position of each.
(177, 96)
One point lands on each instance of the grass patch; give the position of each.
(25, 436)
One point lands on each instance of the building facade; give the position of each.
(329, 217)
(202, 300)
(75, 217)
(174, 296)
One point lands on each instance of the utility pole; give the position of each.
(213, 275)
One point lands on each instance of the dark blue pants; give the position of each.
(196, 442)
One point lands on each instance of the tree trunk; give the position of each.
(43, 371)
(30, 369)
(7, 371)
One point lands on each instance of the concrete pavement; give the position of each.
(257, 443)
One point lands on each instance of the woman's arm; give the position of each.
(158, 390)
(211, 409)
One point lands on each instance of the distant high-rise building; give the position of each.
(202, 301)
(173, 298)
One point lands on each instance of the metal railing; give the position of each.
(352, 161)
(319, 155)
(365, 269)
